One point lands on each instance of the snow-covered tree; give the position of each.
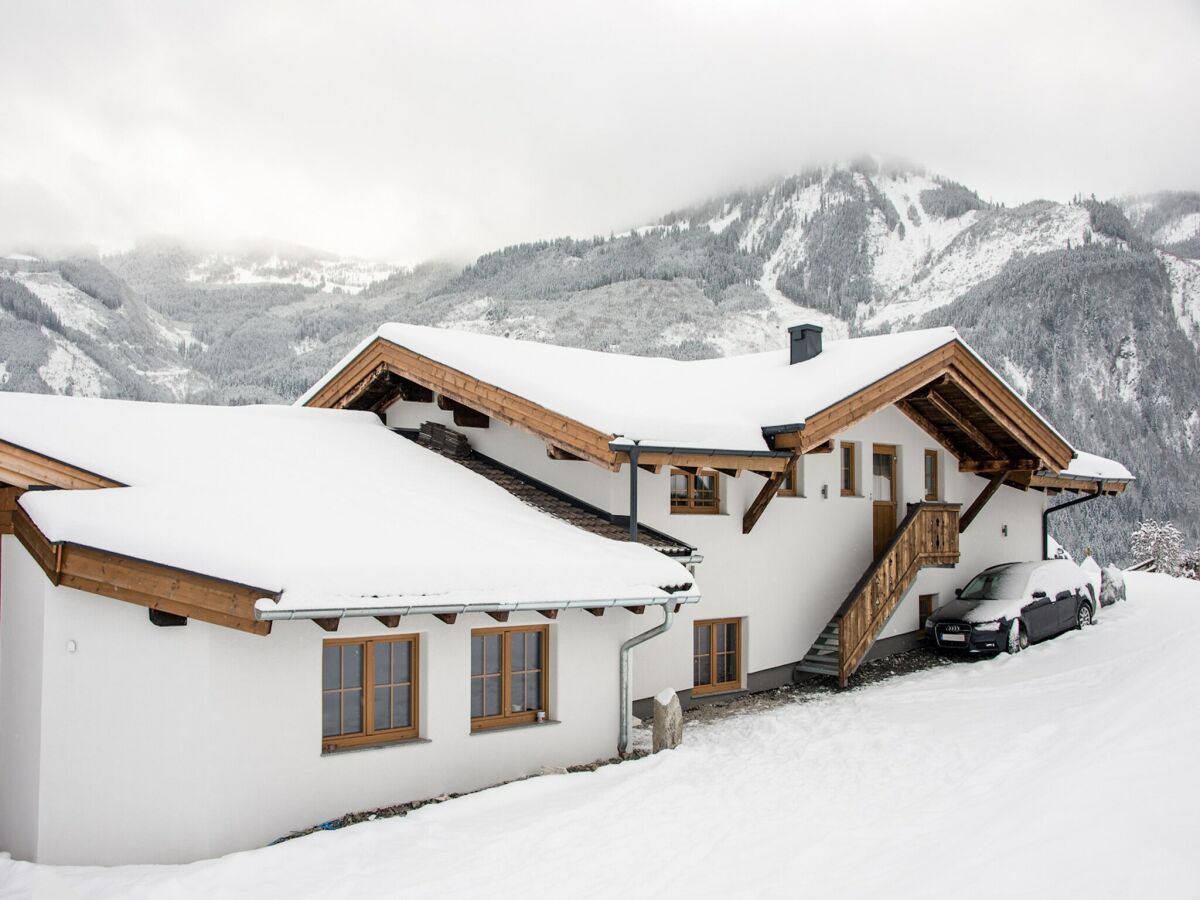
(1161, 542)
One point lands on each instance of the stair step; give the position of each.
(818, 669)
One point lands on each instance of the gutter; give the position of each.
(626, 677)
(272, 615)
(624, 445)
(1061, 506)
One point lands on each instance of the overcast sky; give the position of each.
(447, 129)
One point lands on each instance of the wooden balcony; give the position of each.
(928, 536)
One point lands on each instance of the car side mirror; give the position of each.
(1039, 595)
(958, 592)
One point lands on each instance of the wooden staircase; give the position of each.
(928, 536)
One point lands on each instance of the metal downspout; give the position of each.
(1051, 509)
(633, 480)
(668, 619)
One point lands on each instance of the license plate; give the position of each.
(954, 637)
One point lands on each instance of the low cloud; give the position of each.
(441, 131)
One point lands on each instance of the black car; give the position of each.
(1010, 606)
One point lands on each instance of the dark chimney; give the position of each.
(805, 342)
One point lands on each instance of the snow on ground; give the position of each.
(349, 276)
(74, 308)
(978, 254)
(1066, 771)
(68, 370)
(1184, 275)
(898, 260)
(1180, 230)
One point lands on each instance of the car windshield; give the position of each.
(998, 584)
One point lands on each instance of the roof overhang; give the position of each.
(268, 610)
(950, 392)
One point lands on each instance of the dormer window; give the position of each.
(695, 492)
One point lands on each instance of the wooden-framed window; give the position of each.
(716, 656)
(927, 603)
(931, 475)
(849, 478)
(791, 480)
(698, 492)
(510, 675)
(369, 691)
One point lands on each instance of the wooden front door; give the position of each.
(883, 490)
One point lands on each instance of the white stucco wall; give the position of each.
(790, 574)
(22, 586)
(172, 744)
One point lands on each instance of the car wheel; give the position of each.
(1083, 618)
(1018, 637)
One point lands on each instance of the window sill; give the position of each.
(719, 690)
(378, 745)
(520, 726)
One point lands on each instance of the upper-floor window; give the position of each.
(509, 675)
(790, 486)
(368, 691)
(849, 470)
(695, 492)
(931, 475)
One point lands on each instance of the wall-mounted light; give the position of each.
(824, 492)
(72, 646)
(1004, 530)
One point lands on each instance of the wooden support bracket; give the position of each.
(328, 624)
(499, 616)
(759, 506)
(448, 618)
(636, 610)
(596, 610)
(389, 621)
(549, 613)
(981, 501)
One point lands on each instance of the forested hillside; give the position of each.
(1091, 308)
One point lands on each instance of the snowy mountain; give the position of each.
(1090, 308)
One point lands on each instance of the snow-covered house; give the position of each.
(837, 492)
(458, 564)
(467, 633)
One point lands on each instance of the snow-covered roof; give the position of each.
(327, 506)
(721, 403)
(1096, 468)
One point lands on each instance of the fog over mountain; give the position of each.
(413, 131)
(1090, 308)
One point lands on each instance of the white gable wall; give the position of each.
(173, 744)
(790, 574)
(22, 587)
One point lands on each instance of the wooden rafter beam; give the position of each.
(826, 447)
(963, 424)
(549, 613)
(499, 616)
(759, 504)
(596, 610)
(981, 501)
(686, 460)
(932, 430)
(991, 466)
(555, 452)
(389, 621)
(330, 624)
(448, 618)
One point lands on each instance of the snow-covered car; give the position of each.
(1008, 607)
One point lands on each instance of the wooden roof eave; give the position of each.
(382, 355)
(24, 468)
(141, 582)
(955, 362)
(1050, 481)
